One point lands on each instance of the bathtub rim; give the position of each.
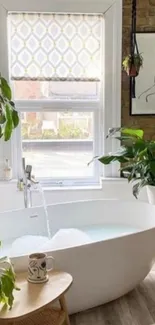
(136, 202)
(81, 201)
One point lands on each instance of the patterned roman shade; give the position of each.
(55, 47)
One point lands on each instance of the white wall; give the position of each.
(11, 198)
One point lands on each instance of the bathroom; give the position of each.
(63, 173)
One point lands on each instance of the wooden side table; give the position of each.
(32, 304)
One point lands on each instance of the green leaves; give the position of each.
(126, 132)
(133, 132)
(8, 130)
(138, 186)
(137, 156)
(15, 118)
(5, 89)
(9, 118)
(9, 123)
(7, 284)
(106, 160)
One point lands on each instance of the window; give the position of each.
(58, 144)
(56, 59)
(65, 69)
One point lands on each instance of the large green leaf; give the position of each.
(140, 145)
(138, 186)
(106, 160)
(126, 139)
(15, 118)
(8, 115)
(133, 132)
(6, 90)
(8, 112)
(8, 130)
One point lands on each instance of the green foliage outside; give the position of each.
(65, 131)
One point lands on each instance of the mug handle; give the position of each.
(50, 258)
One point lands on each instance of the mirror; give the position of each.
(144, 103)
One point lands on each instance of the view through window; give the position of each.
(58, 144)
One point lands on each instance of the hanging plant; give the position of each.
(133, 64)
(9, 118)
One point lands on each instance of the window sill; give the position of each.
(114, 179)
(104, 181)
(73, 188)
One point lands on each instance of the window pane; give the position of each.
(58, 144)
(54, 90)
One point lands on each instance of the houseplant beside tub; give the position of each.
(7, 282)
(137, 158)
(9, 120)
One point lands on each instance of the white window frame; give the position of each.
(111, 114)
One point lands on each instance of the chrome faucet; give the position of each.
(28, 181)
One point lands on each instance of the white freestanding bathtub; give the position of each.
(107, 269)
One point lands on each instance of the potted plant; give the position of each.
(7, 282)
(137, 158)
(133, 65)
(9, 120)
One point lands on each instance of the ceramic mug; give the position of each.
(37, 267)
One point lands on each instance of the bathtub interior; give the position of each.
(71, 224)
(22, 222)
(101, 212)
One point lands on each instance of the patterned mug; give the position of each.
(37, 267)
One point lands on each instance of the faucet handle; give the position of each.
(28, 171)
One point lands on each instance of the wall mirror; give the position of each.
(144, 103)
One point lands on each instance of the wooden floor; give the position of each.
(136, 308)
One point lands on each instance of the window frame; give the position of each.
(111, 113)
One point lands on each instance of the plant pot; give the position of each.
(151, 194)
(133, 70)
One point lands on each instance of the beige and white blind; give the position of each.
(55, 47)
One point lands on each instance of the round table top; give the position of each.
(33, 297)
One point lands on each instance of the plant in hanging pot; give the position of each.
(137, 158)
(133, 64)
(9, 120)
